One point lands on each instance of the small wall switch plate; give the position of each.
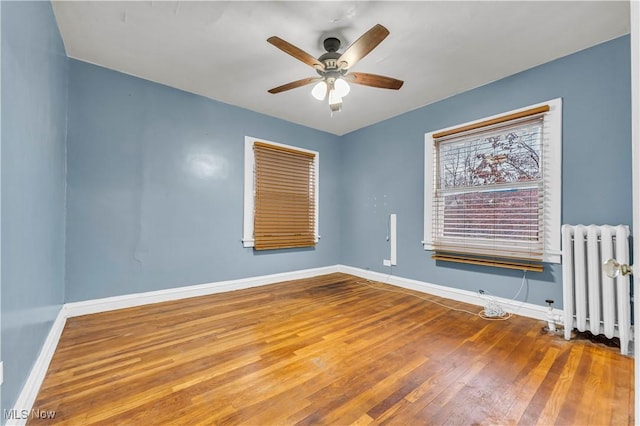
(1, 372)
(386, 262)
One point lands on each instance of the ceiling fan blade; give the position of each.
(296, 52)
(374, 80)
(294, 84)
(362, 46)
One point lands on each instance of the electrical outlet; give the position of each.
(386, 262)
(1, 372)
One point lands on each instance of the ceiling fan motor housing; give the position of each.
(330, 58)
(331, 44)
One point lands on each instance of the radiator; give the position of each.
(592, 300)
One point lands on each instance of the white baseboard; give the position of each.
(27, 397)
(34, 381)
(521, 308)
(86, 307)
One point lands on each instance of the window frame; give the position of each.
(248, 239)
(552, 180)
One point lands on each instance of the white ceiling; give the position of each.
(439, 48)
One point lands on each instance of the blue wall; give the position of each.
(140, 218)
(386, 173)
(155, 188)
(34, 116)
(155, 179)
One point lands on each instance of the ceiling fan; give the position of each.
(333, 67)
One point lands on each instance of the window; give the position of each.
(280, 196)
(493, 189)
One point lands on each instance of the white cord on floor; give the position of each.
(492, 311)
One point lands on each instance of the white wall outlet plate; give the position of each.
(386, 262)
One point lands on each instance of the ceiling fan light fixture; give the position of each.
(334, 98)
(333, 67)
(319, 91)
(341, 87)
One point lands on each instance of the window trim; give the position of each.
(552, 180)
(249, 187)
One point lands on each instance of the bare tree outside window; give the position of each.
(489, 184)
(493, 190)
(500, 158)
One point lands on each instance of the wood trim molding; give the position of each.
(509, 264)
(492, 121)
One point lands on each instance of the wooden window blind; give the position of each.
(488, 195)
(285, 201)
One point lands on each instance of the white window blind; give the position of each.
(488, 191)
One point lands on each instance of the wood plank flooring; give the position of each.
(327, 350)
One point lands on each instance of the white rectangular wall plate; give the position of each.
(393, 238)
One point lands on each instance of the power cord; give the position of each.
(494, 310)
(491, 312)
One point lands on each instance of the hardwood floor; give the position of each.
(327, 350)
